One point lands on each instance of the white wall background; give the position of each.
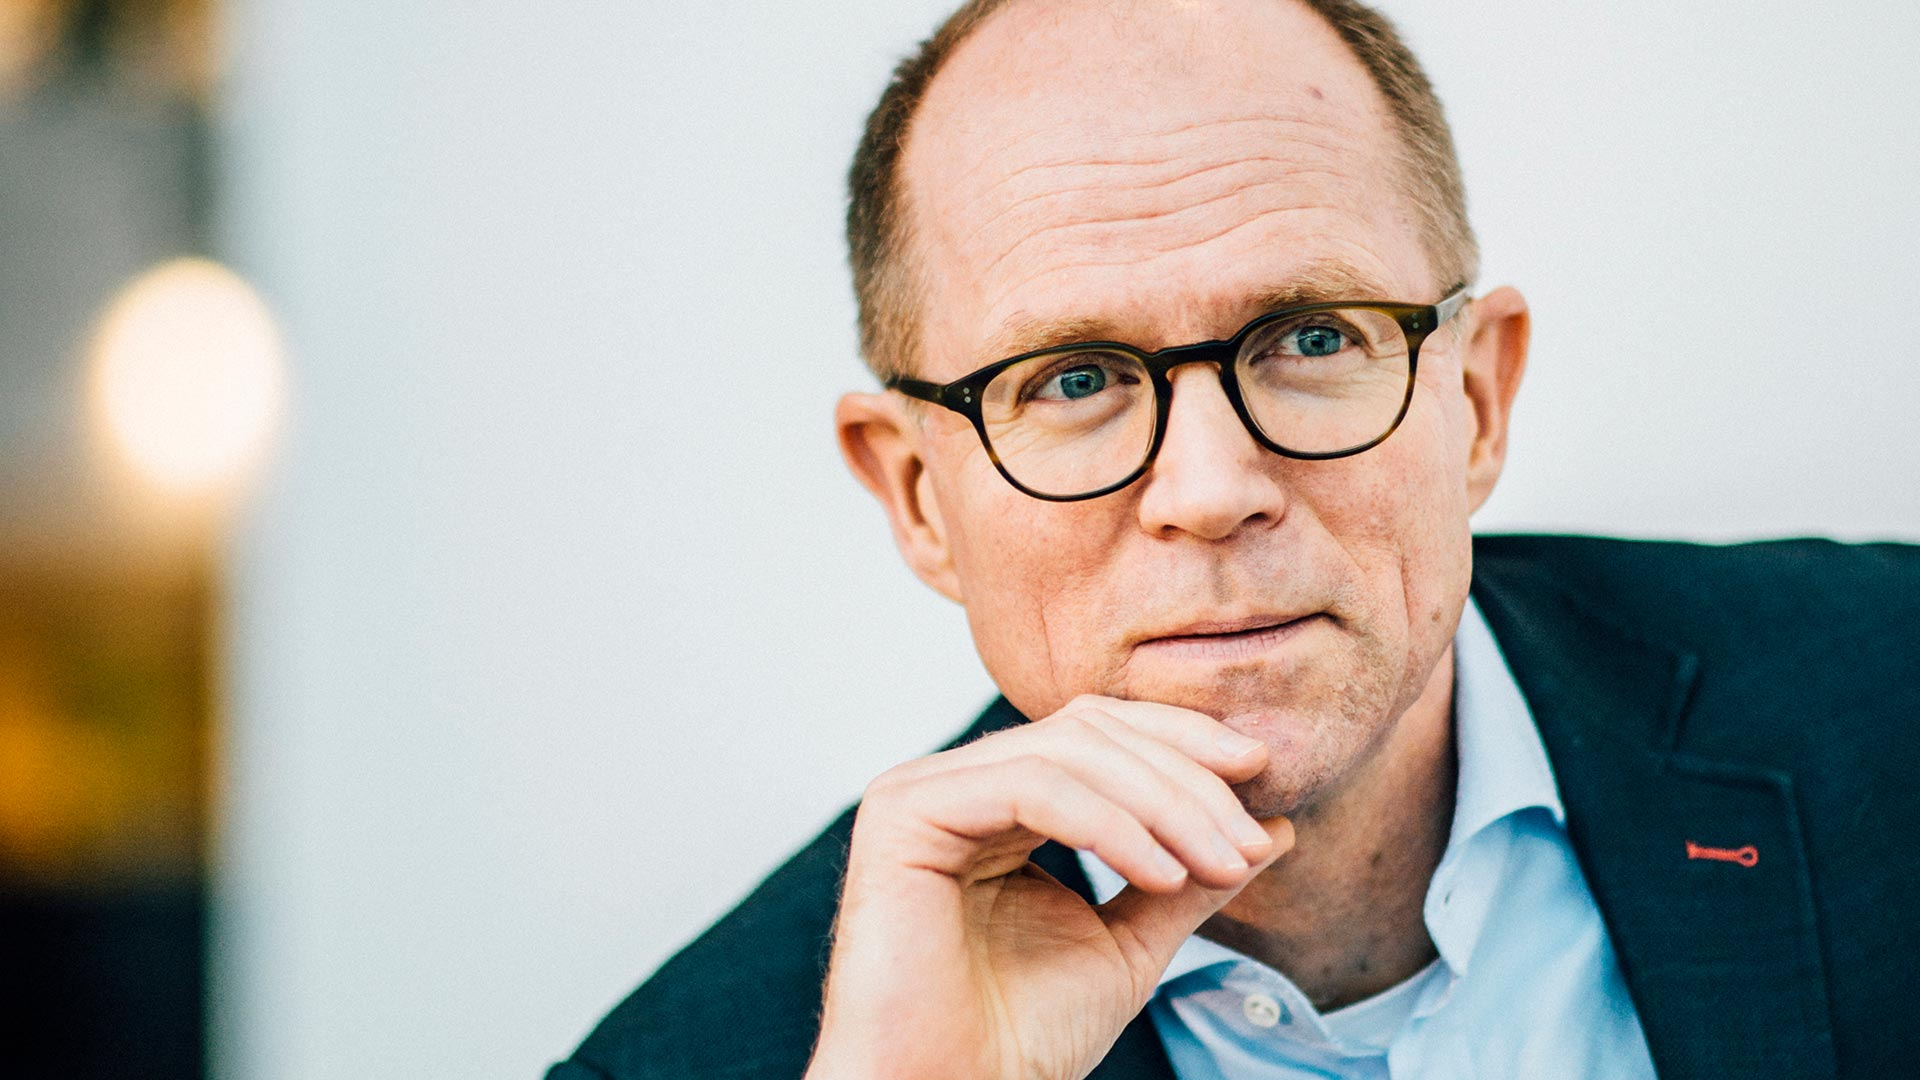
(559, 622)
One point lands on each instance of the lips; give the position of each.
(1227, 627)
(1230, 639)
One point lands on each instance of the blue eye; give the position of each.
(1077, 382)
(1318, 340)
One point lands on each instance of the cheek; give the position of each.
(1399, 514)
(1436, 543)
(1036, 578)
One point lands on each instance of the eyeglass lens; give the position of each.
(1071, 422)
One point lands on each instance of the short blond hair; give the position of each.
(877, 234)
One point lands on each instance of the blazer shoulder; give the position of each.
(743, 999)
(1801, 647)
(1715, 593)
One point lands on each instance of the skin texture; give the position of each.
(1155, 173)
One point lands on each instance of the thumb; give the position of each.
(1157, 923)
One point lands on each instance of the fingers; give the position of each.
(1101, 775)
(1221, 804)
(1225, 752)
(1151, 925)
(1041, 798)
(938, 876)
(1183, 808)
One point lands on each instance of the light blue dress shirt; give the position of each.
(1526, 984)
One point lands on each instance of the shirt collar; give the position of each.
(1503, 764)
(1503, 769)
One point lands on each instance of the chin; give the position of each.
(1321, 715)
(1299, 768)
(1267, 796)
(1309, 750)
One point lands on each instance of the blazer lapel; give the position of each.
(1697, 865)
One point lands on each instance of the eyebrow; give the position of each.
(1317, 282)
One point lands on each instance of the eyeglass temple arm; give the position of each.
(1448, 308)
(925, 391)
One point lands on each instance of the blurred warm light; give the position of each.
(172, 45)
(28, 31)
(187, 376)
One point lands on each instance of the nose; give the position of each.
(1210, 478)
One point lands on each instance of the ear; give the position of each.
(1494, 359)
(883, 446)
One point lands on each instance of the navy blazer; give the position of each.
(1761, 696)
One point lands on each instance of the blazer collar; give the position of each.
(1722, 959)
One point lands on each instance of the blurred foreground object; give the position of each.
(103, 802)
(138, 389)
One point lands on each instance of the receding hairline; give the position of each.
(890, 282)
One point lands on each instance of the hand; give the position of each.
(954, 956)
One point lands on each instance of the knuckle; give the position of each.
(1117, 819)
(877, 792)
(1103, 721)
(1069, 726)
(1183, 813)
(1198, 818)
(1221, 795)
(1032, 768)
(888, 784)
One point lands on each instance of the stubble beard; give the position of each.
(1322, 722)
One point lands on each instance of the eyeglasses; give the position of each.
(1313, 381)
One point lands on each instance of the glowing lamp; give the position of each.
(187, 376)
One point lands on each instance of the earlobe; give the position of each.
(882, 447)
(1494, 360)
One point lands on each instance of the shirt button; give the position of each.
(1262, 1011)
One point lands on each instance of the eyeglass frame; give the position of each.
(965, 394)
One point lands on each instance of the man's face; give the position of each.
(1148, 173)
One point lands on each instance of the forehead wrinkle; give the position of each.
(1094, 146)
(1077, 160)
(1107, 134)
(1313, 163)
(1025, 283)
(1116, 223)
(1025, 201)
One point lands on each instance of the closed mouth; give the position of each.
(1231, 639)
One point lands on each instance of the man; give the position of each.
(1270, 794)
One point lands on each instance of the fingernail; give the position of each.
(1248, 832)
(1168, 866)
(1284, 842)
(1234, 745)
(1225, 852)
